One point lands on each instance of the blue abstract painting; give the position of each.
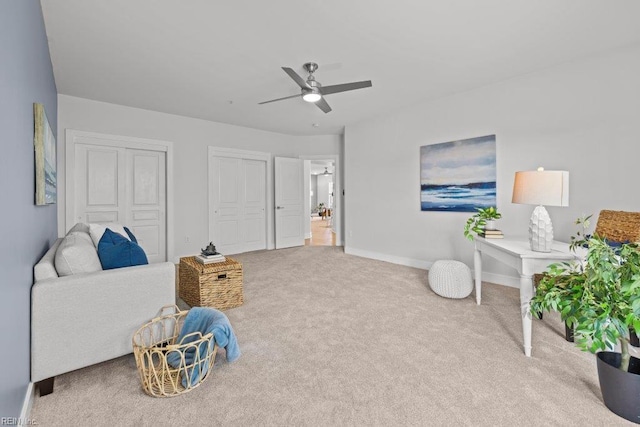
(458, 176)
(45, 158)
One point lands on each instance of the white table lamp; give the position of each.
(541, 187)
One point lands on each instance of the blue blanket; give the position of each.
(204, 320)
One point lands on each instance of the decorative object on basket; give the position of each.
(202, 321)
(217, 285)
(540, 188)
(158, 340)
(210, 259)
(450, 279)
(477, 223)
(209, 250)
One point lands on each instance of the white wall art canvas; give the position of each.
(45, 158)
(458, 176)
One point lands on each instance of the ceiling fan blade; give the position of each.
(327, 90)
(280, 99)
(301, 82)
(322, 104)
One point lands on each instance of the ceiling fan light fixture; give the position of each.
(313, 91)
(312, 95)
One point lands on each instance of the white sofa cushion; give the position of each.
(76, 254)
(97, 230)
(80, 226)
(45, 268)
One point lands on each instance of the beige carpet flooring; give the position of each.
(332, 339)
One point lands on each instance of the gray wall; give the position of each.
(581, 116)
(26, 76)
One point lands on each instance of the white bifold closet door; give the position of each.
(238, 196)
(127, 186)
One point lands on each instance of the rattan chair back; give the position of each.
(619, 226)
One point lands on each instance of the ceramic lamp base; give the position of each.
(540, 230)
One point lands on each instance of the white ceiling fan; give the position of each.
(313, 91)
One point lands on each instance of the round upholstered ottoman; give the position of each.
(450, 279)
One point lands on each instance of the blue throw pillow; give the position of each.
(116, 251)
(612, 244)
(617, 244)
(130, 234)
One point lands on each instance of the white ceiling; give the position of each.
(216, 60)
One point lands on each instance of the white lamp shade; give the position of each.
(549, 188)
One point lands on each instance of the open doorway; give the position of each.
(322, 203)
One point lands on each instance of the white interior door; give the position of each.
(127, 186)
(238, 195)
(146, 201)
(225, 191)
(100, 183)
(289, 197)
(254, 202)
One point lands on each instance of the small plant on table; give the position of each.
(477, 222)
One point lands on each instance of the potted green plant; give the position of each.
(600, 299)
(482, 220)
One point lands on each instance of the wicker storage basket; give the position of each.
(156, 340)
(217, 285)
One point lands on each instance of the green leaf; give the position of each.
(601, 297)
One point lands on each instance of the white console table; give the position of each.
(516, 253)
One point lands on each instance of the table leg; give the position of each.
(526, 293)
(477, 268)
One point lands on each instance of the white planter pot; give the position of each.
(490, 224)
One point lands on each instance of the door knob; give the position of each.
(279, 207)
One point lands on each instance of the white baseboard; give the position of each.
(409, 262)
(25, 412)
(499, 279)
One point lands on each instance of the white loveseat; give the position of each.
(89, 316)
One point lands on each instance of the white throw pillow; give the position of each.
(80, 226)
(97, 230)
(76, 254)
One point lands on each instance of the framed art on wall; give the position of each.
(458, 176)
(45, 157)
